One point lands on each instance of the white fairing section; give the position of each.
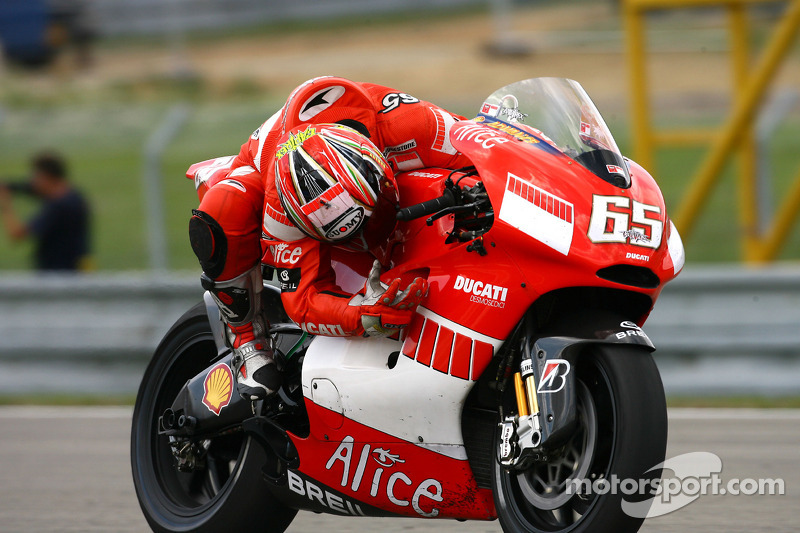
(242, 171)
(538, 213)
(675, 247)
(408, 401)
(205, 173)
(324, 393)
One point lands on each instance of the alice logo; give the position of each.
(295, 141)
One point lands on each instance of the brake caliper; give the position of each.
(520, 435)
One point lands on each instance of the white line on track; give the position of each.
(712, 413)
(40, 412)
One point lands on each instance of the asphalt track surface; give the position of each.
(67, 470)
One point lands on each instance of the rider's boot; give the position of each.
(257, 369)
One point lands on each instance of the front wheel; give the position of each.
(621, 434)
(225, 491)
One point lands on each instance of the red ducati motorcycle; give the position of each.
(524, 373)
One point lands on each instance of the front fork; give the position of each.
(544, 389)
(521, 434)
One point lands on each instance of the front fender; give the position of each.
(553, 360)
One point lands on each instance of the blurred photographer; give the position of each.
(61, 227)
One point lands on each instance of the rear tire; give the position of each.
(622, 432)
(229, 494)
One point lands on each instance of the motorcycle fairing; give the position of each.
(373, 473)
(343, 375)
(457, 280)
(546, 217)
(385, 432)
(556, 187)
(544, 206)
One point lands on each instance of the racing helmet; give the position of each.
(334, 184)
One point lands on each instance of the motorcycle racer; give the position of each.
(316, 175)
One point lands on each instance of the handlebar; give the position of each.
(428, 207)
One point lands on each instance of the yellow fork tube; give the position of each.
(530, 386)
(522, 401)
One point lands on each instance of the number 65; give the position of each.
(626, 224)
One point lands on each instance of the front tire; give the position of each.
(622, 433)
(229, 492)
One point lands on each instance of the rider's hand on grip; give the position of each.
(386, 310)
(447, 199)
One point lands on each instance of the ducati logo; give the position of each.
(554, 376)
(482, 293)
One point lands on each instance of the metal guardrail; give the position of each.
(717, 329)
(729, 331)
(110, 315)
(729, 310)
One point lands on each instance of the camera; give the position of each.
(22, 187)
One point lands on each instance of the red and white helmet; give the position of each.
(331, 180)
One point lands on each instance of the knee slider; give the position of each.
(208, 243)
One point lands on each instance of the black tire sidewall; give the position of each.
(245, 502)
(640, 441)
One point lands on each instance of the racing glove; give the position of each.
(386, 310)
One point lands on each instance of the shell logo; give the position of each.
(218, 388)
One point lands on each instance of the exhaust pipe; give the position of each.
(168, 420)
(188, 422)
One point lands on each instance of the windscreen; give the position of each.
(560, 113)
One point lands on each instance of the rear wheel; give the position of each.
(227, 491)
(622, 433)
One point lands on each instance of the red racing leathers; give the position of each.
(243, 199)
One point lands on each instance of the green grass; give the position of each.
(66, 400)
(760, 402)
(104, 145)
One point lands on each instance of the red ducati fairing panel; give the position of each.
(359, 471)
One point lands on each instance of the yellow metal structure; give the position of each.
(533, 399)
(522, 401)
(750, 82)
